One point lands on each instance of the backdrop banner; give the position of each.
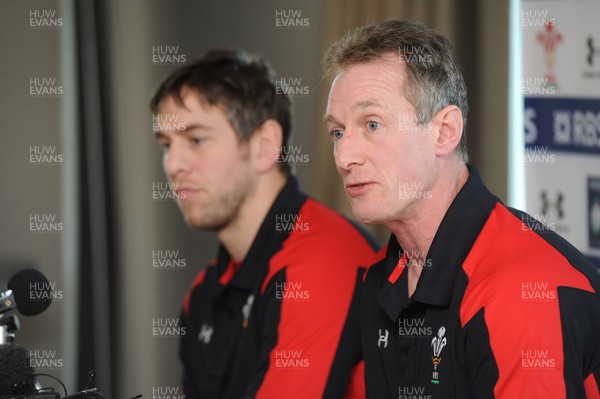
(561, 90)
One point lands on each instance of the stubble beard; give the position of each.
(222, 209)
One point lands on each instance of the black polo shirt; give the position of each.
(285, 322)
(504, 308)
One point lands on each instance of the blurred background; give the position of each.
(83, 197)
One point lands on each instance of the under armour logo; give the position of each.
(205, 333)
(592, 51)
(383, 338)
(547, 204)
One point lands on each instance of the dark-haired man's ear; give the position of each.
(265, 144)
(450, 123)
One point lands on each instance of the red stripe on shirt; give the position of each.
(398, 269)
(591, 387)
(518, 291)
(318, 262)
(357, 389)
(232, 268)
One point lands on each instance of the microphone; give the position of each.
(16, 374)
(28, 292)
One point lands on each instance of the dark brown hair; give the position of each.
(243, 85)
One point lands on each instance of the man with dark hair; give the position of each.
(471, 299)
(277, 313)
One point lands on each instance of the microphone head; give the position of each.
(31, 290)
(16, 373)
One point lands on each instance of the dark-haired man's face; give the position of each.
(204, 160)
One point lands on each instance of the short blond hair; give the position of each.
(434, 79)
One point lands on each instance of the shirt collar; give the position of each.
(451, 244)
(268, 240)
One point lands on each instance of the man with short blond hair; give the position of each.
(471, 299)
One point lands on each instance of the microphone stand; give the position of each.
(8, 326)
